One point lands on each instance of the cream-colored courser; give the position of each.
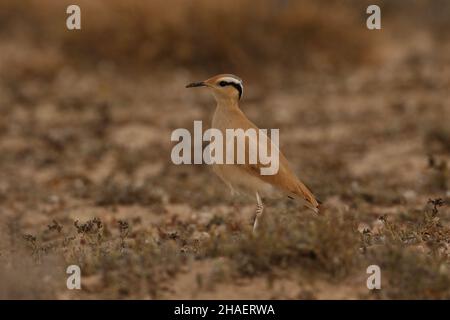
(227, 90)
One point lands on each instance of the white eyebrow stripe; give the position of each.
(234, 81)
(230, 79)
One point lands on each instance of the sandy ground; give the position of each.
(82, 144)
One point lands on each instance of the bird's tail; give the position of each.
(309, 200)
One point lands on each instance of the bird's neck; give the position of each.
(227, 103)
(226, 110)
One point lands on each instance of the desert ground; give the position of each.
(86, 176)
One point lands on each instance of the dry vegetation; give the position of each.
(85, 170)
(200, 34)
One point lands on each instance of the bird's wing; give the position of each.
(284, 179)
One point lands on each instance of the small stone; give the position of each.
(377, 226)
(204, 218)
(409, 194)
(54, 199)
(363, 227)
(200, 236)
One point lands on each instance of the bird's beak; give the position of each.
(196, 84)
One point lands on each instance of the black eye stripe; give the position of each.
(237, 86)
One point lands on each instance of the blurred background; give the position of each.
(85, 124)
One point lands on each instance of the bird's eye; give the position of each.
(223, 83)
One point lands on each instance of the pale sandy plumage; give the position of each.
(227, 90)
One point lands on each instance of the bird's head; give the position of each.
(223, 86)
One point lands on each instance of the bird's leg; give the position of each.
(259, 211)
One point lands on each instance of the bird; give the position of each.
(228, 90)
